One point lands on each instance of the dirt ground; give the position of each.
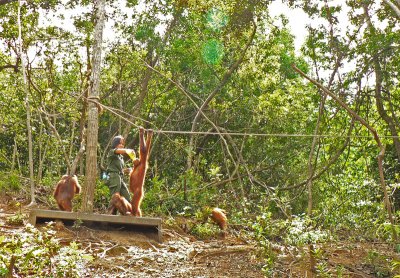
(129, 254)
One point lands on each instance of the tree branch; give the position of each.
(79, 154)
(222, 83)
(393, 6)
(3, 2)
(14, 67)
(54, 129)
(331, 161)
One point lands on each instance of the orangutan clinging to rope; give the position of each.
(138, 174)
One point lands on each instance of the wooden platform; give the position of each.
(141, 224)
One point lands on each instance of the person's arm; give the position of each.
(124, 151)
(129, 152)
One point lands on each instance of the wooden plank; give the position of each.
(143, 221)
(37, 214)
(32, 218)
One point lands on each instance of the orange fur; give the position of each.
(219, 217)
(119, 203)
(138, 174)
(65, 191)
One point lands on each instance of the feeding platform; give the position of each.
(149, 226)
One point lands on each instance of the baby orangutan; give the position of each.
(219, 217)
(119, 203)
(65, 191)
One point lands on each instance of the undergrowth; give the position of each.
(37, 253)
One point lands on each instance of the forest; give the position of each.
(295, 137)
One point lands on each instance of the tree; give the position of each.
(28, 109)
(381, 154)
(93, 112)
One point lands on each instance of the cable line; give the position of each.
(114, 111)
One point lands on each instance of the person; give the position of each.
(115, 167)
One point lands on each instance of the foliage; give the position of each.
(352, 205)
(384, 231)
(379, 263)
(295, 232)
(205, 230)
(298, 231)
(174, 202)
(301, 230)
(101, 196)
(10, 182)
(251, 142)
(264, 232)
(39, 253)
(396, 268)
(16, 219)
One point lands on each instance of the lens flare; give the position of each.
(212, 52)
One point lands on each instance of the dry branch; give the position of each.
(224, 251)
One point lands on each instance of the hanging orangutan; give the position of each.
(138, 174)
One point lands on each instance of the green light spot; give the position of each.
(212, 52)
(216, 19)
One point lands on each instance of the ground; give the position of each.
(129, 254)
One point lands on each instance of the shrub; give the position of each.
(39, 254)
(10, 181)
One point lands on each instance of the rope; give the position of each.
(112, 110)
(268, 134)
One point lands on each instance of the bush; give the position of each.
(204, 231)
(10, 181)
(154, 200)
(16, 219)
(39, 254)
(101, 196)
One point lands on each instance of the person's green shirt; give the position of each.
(115, 162)
(115, 180)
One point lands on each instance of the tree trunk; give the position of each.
(28, 111)
(85, 90)
(14, 156)
(93, 113)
